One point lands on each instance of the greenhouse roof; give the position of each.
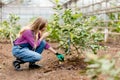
(45, 3)
(41, 3)
(64, 1)
(6, 1)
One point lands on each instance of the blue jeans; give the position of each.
(28, 55)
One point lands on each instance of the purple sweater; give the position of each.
(28, 37)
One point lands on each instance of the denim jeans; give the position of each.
(28, 55)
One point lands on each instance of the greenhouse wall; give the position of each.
(26, 10)
(100, 8)
(106, 11)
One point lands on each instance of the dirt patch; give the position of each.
(52, 69)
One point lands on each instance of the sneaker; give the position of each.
(16, 65)
(34, 66)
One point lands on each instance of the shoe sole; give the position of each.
(16, 65)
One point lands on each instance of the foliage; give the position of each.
(114, 24)
(102, 65)
(9, 28)
(54, 28)
(117, 26)
(73, 29)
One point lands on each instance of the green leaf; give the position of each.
(56, 1)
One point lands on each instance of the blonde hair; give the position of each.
(37, 25)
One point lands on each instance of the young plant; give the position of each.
(73, 29)
(10, 28)
(98, 65)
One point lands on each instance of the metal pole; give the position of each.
(106, 24)
(1, 14)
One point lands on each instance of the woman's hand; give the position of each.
(44, 35)
(60, 56)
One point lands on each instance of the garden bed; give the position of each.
(51, 70)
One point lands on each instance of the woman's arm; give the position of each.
(52, 50)
(29, 37)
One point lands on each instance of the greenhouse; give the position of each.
(59, 39)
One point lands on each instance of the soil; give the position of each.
(52, 69)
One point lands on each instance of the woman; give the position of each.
(30, 44)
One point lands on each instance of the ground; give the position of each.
(52, 69)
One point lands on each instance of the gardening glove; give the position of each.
(60, 56)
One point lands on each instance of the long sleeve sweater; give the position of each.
(28, 37)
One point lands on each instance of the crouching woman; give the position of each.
(31, 43)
